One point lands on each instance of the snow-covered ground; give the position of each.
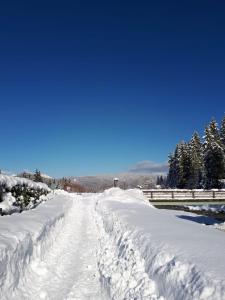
(112, 245)
(210, 208)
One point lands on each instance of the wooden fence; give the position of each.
(171, 196)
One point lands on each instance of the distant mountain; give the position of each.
(126, 181)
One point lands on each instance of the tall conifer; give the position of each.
(213, 157)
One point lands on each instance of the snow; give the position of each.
(112, 245)
(8, 200)
(7, 204)
(46, 176)
(211, 208)
(183, 258)
(220, 226)
(11, 181)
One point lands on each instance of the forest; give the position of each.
(200, 162)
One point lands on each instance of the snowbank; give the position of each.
(151, 254)
(56, 251)
(28, 235)
(126, 196)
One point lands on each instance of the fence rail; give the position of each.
(179, 196)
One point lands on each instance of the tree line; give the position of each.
(199, 163)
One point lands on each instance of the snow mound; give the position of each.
(153, 254)
(27, 236)
(126, 196)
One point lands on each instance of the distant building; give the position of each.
(73, 187)
(115, 182)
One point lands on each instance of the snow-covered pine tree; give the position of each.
(184, 166)
(173, 174)
(178, 169)
(222, 132)
(213, 156)
(196, 157)
(222, 139)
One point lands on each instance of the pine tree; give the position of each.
(184, 170)
(196, 157)
(158, 180)
(173, 177)
(213, 157)
(222, 133)
(37, 176)
(222, 139)
(161, 181)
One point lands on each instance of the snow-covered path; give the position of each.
(109, 246)
(69, 269)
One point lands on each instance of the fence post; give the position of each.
(172, 194)
(151, 194)
(214, 194)
(193, 194)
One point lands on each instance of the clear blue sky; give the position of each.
(91, 87)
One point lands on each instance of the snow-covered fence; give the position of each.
(18, 193)
(177, 195)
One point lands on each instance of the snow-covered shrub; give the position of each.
(17, 194)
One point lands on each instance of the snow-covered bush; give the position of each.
(17, 194)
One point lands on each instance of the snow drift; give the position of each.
(112, 245)
(148, 253)
(28, 235)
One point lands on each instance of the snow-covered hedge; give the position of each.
(17, 193)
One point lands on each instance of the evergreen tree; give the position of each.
(196, 160)
(194, 165)
(222, 139)
(184, 169)
(222, 133)
(213, 157)
(161, 181)
(37, 176)
(158, 180)
(173, 174)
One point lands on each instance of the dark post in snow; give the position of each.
(115, 182)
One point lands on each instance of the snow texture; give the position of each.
(182, 259)
(11, 181)
(211, 208)
(112, 245)
(8, 200)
